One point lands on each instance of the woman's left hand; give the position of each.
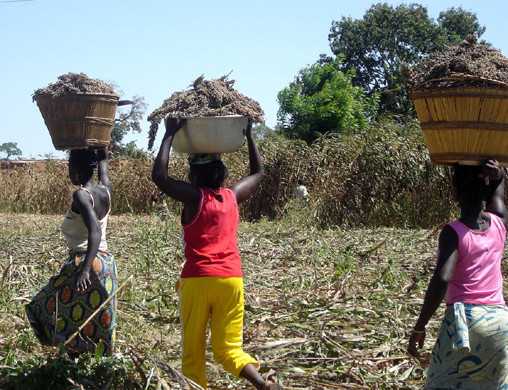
(416, 340)
(492, 170)
(83, 280)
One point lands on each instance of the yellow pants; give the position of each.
(220, 301)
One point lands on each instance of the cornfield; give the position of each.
(380, 177)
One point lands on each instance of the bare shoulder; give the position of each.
(82, 197)
(448, 234)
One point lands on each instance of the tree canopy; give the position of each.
(387, 37)
(10, 149)
(322, 99)
(128, 121)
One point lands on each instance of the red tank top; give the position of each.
(210, 239)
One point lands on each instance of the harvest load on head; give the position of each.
(216, 116)
(79, 111)
(461, 99)
(468, 64)
(74, 83)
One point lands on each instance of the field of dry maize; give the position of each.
(380, 178)
(325, 309)
(332, 285)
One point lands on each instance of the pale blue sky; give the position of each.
(153, 47)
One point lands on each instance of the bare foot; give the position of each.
(273, 386)
(271, 381)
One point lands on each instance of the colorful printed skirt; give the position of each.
(59, 303)
(471, 351)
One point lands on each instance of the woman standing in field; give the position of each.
(472, 348)
(211, 284)
(88, 276)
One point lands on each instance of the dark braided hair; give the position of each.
(469, 187)
(211, 175)
(84, 161)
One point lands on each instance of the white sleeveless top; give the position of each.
(76, 232)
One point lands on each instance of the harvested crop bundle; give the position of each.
(78, 111)
(468, 64)
(460, 97)
(75, 83)
(205, 98)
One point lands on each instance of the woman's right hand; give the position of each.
(173, 125)
(492, 170)
(416, 340)
(83, 280)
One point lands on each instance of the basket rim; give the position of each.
(498, 92)
(207, 117)
(69, 96)
(463, 77)
(452, 158)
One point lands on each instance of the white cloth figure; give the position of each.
(301, 192)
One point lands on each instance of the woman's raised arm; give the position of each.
(246, 187)
(176, 189)
(102, 157)
(494, 173)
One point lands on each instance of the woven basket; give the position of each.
(79, 121)
(464, 125)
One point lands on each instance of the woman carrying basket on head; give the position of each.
(211, 284)
(88, 277)
(472, 347)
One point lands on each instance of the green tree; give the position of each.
(131, 150)
(127, 122)
(323, 100)
(10, 149)
(456, 24)
(261, 130)
(387, 37)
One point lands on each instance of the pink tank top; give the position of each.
(477, 278)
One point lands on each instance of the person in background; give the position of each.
(211, 283)
(301, 191)
(471, 351)
(88, 277)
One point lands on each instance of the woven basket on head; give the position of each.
(464, 125)
(79, 121)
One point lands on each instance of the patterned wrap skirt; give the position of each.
(471, 351)
(58, 310)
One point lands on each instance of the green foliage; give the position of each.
(261, 130)
(63, 374)
(322, 100)
(457, 24)
(126, 123)
(387, 37)
(345, 263)
(132, 151)
(10, 149)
